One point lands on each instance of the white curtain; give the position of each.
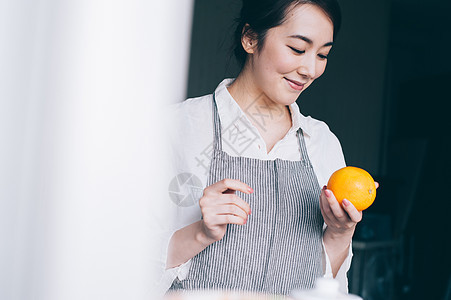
(82, 89)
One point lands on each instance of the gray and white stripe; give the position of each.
(279, 249)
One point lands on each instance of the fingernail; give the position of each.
(250, 211)
(324, 187)
(250, 190)
(328, 193)
(346, 202)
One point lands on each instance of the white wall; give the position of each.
(82, 88)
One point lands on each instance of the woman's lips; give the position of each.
(296, 85)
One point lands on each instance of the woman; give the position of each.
(262, 221)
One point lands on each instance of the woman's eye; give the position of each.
(322, 56)
(296, 50)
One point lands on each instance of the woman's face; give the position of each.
(294, 54)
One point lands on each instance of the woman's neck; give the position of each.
(243, 90)
(252, 100)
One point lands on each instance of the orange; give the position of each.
(353, 184)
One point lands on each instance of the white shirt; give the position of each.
(192, 144)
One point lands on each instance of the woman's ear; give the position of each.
(248, 39)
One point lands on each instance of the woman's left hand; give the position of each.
(341, 221)
(339, 218)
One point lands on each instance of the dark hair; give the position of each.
(262, 15)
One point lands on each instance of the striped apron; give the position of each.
(279, 248)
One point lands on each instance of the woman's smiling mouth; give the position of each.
(295, 85)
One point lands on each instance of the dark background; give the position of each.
(385, 95)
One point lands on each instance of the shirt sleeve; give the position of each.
(176, 222)
(186, 140)
(167, 276)
(341, 276)
(180, 272)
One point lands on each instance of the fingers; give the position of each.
(220, 205)
(228, 184)
(223, 192)
(228, 219)
(226, 209)
(230, 199)
(334, 214)
(231, 209)
(326, 210)
(377, 184)
(334, 205)
(353, 213)
(237, 201)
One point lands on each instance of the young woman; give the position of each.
(260, 220)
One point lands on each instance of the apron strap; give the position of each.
(303, 148)
(217, 143)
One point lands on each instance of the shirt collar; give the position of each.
(299, 120)
(228, 109)
(230, 112)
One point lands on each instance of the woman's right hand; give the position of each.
(221, 206)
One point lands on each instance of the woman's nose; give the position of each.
(307, 66)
